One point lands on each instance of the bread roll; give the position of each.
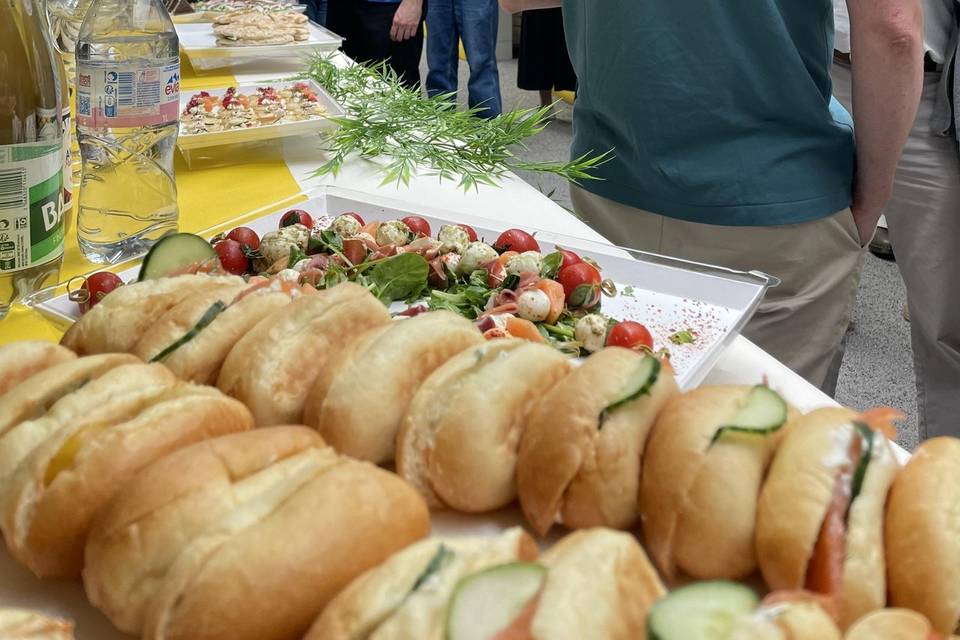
(182, 317)
(40, 391)
(407, 596)
(20, 360)
(458, 442)
(52, 498)
(358, 407)
(246, 536)
(273, 367)
(24, 624)
(599, 585)
(923, 534)
(200, 359)
(118, 394)
(891, 624)
(118, 321)
(788, 616)
(797, 496)
(698, 498)
(579, 468)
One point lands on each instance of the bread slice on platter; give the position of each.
(35, 395)
(118, 321)
(20, 360)
(820, 517)
(25, 624)
(458, 442)
(703, 467)
(923, 534)
(273, 367)
(580, 455)
(60, 486)
(244, 537)
(360, 401)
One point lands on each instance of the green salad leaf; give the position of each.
(401, 277)
(550, 266)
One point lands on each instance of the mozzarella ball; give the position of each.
(533, 305)
(453, 239)
(475, 256)
(276, 245)
(526, 262)
(346, 226)
(591, 332)
(394, 232)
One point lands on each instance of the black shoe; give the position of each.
(880, 245)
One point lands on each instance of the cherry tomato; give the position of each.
(296, 216)
(569, 258)
(355, 250)
(246, 236)
(471, 232)
(97, 286)
(631, 335)
(419, 226)
(232, 257)
(581, 284)
(355, 216)
(516, 240)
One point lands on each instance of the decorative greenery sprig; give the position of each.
(384, 119)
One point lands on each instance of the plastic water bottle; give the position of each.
(31, 154)
(128, 104)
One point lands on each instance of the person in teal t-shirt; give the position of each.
(731, 150)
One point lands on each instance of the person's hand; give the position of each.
(867, 209)
(406, 20)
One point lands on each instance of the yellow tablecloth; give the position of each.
(228, 185)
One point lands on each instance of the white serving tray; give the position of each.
(198, 41)
(668, 295)
(189, 142)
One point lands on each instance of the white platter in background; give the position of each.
(200, 44)
(188, 141)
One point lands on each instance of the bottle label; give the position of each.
(31, 204)
(127, 95)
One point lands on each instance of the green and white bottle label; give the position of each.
(31, 204)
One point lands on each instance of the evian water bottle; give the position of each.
(128, 92)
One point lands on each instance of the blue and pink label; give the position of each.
(127, 95)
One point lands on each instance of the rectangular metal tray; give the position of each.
(187, 142)
(665, 294)
(198, 41)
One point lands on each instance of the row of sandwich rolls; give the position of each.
(146, 477)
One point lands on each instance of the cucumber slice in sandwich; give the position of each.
(701, 611)
(866, 454)
(208, 316)
(485, 603)
(763, 413)
(174, 253)
(637, 385)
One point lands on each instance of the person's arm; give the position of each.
(886, 38)
(516, 6)
(406, 20)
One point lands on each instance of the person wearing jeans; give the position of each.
(474, 22)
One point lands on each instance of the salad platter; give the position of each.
(249, 113)
(689, 310)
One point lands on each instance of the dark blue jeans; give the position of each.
(475, 23)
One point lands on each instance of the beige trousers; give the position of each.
(803, 321)
(923, 218)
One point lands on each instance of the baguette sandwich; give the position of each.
(244, 537)
(118, 321)
(358, 403)
(579, 460)
(24, 624)
(593, 584)
(458, 442)
(20, 360)
(894, 624)
(702, 471)
(820, 515)
(273, 367)
(923, 534)
(58, 488)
